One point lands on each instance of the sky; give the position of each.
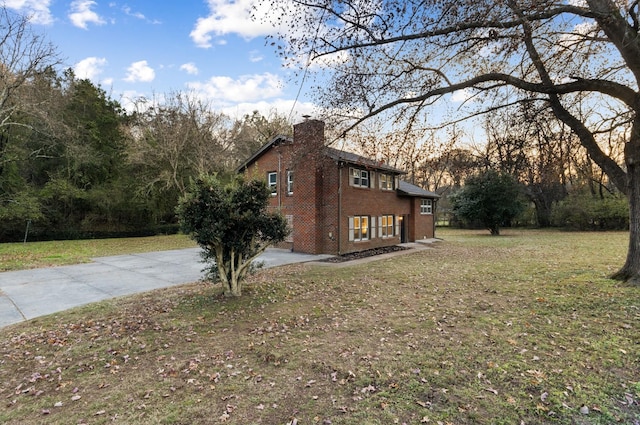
(150, 48)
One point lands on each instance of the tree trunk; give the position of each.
(235, 289)
(630, 272)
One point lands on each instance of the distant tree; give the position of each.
(491, 198)
(528, 143)
(254, 130)
(232, 225)
(25, 57)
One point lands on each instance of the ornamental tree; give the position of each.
(491, 198)
(233, 226)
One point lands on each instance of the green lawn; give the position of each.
(524, 328)
(19, 256)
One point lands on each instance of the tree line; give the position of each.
(74, 163)
(84, 167)
(559, 183)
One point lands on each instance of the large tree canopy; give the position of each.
(491, 198)
(580, 59)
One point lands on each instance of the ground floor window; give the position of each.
(386, 226)
(359, 228)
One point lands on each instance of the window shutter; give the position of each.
(398, 226)
(289, 219)
(372, 179)
(380, 227)
(351, 236)
(373, 227)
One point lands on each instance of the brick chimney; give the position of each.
(308, 136)
(307, 158)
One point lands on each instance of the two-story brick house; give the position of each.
(338, 202)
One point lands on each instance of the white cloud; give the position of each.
(89, 68)
(129, 100)
(37, 10)
(580, 31)
(189, 68)
(282, 106)
(461, 95)
(331, 60)
(245, 18)
(81, 14)
(127, 10)
(247, 88)
(138, 15)
(140, 72)
(255, 56)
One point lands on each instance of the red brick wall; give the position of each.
(373, 202)
(306, 157)
(320, 210)
(422, 224)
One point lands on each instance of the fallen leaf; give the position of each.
(629, 398)
(368, 389)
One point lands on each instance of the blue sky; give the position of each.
(152, 47)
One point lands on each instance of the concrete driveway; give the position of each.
(31, 293)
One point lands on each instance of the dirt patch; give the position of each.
(364, 254)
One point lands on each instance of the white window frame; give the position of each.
(359, 177)
(289, 182)
(386, 226)
(359, 228)
(426, 206)
(272, 182)
(386, 181)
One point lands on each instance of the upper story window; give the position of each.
(290, 182)
(386, 181)
(426, 206)
(358, 177)
(272, 182)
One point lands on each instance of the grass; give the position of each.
(19, 256)
(523, 328)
